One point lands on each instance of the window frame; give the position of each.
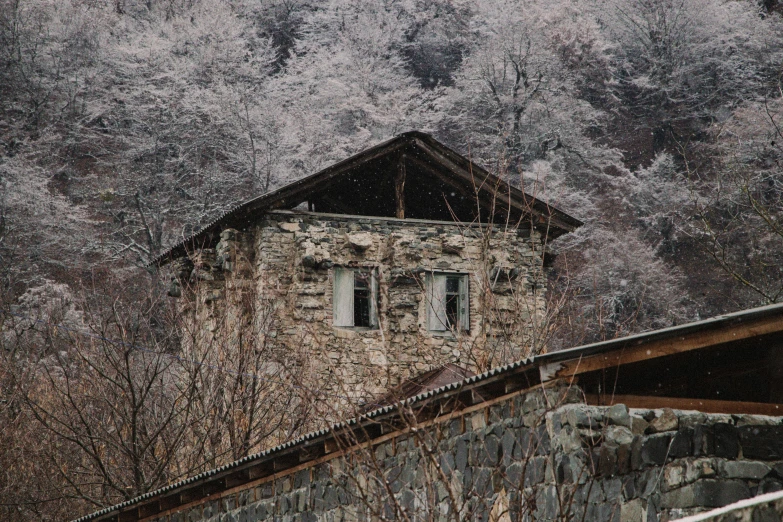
(437, 298)
(343, 296)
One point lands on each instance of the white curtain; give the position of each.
(342, 304)
(436, 303)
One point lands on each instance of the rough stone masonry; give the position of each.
(536, 456)
(277, 280)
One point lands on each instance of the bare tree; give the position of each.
(122, 402)
(246, 397)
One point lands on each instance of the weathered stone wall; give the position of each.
(289, 259)
(541, 455)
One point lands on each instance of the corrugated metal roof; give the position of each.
(563, 355)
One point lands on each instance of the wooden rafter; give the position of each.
(501, 191)
(443, 177)
(651, 402)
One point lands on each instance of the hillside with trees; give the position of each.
(125, 125)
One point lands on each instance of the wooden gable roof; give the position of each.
(412, 172)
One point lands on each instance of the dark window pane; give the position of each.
(452, 310)
(361, 309)
(361, 299)
(452, 301)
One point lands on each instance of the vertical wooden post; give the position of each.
(399, 188)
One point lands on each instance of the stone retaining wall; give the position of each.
(541, 455)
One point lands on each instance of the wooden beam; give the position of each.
(477, 180)
(504, 192)
(300, 188)
(661, 348)
(481, 198)
(399, 188)
(649, 402)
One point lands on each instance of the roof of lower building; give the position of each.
(427, 381)
(654, 364)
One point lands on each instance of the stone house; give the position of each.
(359, 271)
(652, 427)
(399, 260)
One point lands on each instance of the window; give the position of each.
(355, 298)
(448, 306)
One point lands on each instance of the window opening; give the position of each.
(355, 298)
(447, 302)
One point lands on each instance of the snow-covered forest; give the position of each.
(127, 124)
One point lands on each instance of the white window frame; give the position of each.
(436, 297)
(343, 297)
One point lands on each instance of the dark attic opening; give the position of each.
(410, 185)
